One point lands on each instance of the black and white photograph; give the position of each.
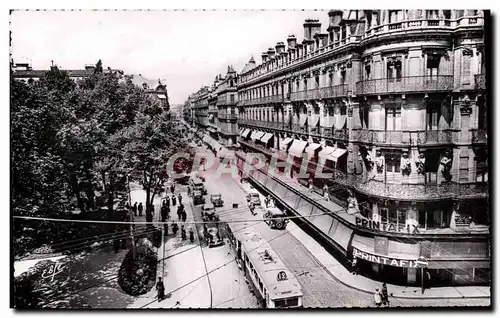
(250, 159)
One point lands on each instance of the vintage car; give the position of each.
(216, 199)
(196, 184)
(213, 238)
(275, 218)
(198, 198)
(208, 212)
(254, 197)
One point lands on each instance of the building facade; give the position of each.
(393, 104)
(156, 89)
(218, 103)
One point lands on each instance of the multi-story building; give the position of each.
(219, 103)
(394, 104)
(155, 89)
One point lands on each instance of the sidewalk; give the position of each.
(368, 285)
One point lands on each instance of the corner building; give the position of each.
(392, 103)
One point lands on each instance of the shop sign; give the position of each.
(386, 227)
(384, 260)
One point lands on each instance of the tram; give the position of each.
(273, 284)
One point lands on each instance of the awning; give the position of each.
(314, 121)
(286, 141)
(211, 129)
(267, 136)
(257, 135)
(245, 133)
(161, 96)
(460, 264)
(297, 148)
(303, 120)
(336, 154)
(405, 256)
(325, 152)
(311, 149)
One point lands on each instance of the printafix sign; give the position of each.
(387, 227)
(384, 260)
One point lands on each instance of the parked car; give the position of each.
(275, 218)
(254, 197)
(216, 200)
(198, 198)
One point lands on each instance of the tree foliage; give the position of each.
(74, 143)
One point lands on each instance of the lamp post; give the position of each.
(131, 215)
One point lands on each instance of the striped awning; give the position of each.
(266, 137)
(297, 148)
(336, 154)
(245, 133)
(311, 149)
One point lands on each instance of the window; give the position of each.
(394, 70)
(364, 115)
(393, 119)
(367, 72)
(464, 169)
(297, 86)
(305, 84)
(466, 57)
(433, 65)
(330, 79)
(342, 77)
(231, 97)
(431, 166)
(392, 166)
(433, 114)
(394, 16)
(290, 302)
(432, 14)
(481, 166)
(317, 81)
(384, 215)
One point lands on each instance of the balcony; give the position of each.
(334, 91)
(405, 85)
(479, 136)
(399, 137)
(480, 81)
(226, 116)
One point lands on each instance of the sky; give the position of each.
(185, 48)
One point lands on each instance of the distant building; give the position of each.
(154, 88)
(24, 72)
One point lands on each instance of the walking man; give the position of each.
(172, 188)
(325, 193)
(161, 289)
(377, 298)
(385, 295)
(134, 209)
(179, 212)
(174, 200)
(180, 198)
(140, 208)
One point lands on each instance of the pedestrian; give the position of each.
(325, 193)
(355, 266)
(175, 228)
(385, 295)
(191, 235)
(163, 213)
(266, 201)
(165, 229)
(134, 209)
(174, 200)
(161, 289)
(184, 216)
(127, 206)
(140, 208)
(172, 188)
(377, 298)
(179, 213)
(310, 184)
(167, 200)
(189, 191)
(183, 233)
(180, 198)
(252, 208)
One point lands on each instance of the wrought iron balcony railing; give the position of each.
(334, 91)
(405, 84)
(227, 116)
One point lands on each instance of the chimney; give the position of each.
(280, 48)
(311, 27)
(264, 57)
(291, 41)
(270, 53)
(335, 18)
(321, 40)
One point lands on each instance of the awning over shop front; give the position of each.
(303, 120)
(256, 135)
(267, 136)
(311, 149)
(286, 141)
(336, 154)
(245, 133)
(297, 148)
(325, 152)
(314, 121)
